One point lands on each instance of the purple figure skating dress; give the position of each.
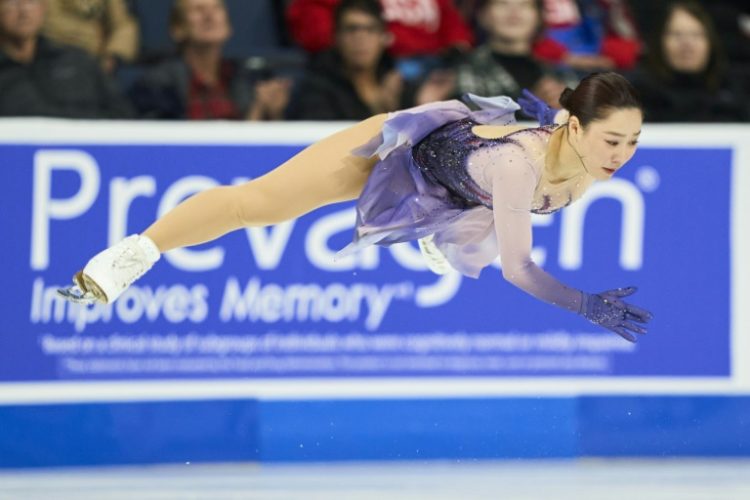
(437, 177)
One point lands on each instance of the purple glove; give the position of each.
(608, 310)
(534, 107)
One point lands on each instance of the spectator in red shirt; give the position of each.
(589, 35)
(357, 78)
(419, 27)
(201, 84)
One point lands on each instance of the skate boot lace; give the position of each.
(434, 258)
(131, 264)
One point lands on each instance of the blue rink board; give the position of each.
(341, 430)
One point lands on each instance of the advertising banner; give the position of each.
(275, 302)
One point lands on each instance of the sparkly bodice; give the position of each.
(454, 156)
(443, 157)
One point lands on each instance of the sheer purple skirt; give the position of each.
(398, 203)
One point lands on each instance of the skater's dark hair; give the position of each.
(371, 7)
(598, 95)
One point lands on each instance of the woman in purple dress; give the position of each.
(464, 183)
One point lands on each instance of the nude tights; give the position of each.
(321, 174)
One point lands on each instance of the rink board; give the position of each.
(468, 429)
(264, 318)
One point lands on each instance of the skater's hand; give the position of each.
(607, 309)
(534, 107)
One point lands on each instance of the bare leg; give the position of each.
(321, 174)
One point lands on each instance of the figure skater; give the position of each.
(463, 183)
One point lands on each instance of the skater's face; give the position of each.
(21, 19)
(361, 40)
(606, 145)
(685, 43)
(511, 20)
(201, 22)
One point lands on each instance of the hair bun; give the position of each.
(565, 97)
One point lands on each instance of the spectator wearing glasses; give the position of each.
(427, 34)
(356, 79)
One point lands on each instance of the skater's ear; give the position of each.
(575, 128)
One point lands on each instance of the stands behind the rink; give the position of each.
(255, 28)
(258, 38)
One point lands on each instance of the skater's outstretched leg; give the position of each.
(321, 174)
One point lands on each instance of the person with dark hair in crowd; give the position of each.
(103, 28)
(423, 27)
(589, 35)
(505, 63)
(357, 78)
(40, 78)
(200, 84)
(462, 183)
(684, 77)
(731, 19)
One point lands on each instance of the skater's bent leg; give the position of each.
(321, 174)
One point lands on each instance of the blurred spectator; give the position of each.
(420, 28)
(103, 28)
(731, 19)
(589, 35)
(257, 28)
(355, 79)
(685, 76)
(504, 64)
(200, 83)
(40, 78)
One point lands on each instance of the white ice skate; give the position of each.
(112, 271)
(432, 255)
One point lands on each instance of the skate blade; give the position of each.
(89, 286)
(83, 291)
(74, 294)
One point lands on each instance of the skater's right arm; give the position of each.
(513, 186)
